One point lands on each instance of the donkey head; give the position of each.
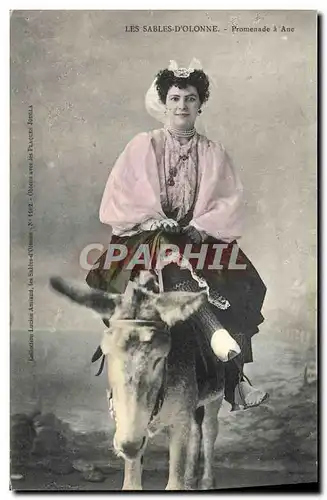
(136, 346)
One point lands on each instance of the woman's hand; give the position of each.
(169, 225)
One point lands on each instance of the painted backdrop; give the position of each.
(80, 78)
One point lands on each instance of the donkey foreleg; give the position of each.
(179, 434)
(209, 433)
(133, 474)
(194, 451)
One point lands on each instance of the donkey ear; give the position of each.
(101, 302)
(178, 306)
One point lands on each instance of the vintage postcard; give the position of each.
(163, 250)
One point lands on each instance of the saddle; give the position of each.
(210, 372)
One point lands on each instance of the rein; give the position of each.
(161, 394)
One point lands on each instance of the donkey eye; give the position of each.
(156, 363)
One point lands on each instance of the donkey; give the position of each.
(152, 373)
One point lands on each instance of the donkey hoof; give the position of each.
(174, 487)
(132, 487)
(191, 484)
(208, 484)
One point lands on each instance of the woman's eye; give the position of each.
(174, 99)
(156, 363)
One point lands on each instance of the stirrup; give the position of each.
(240, 398)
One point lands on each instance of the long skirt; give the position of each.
(234, 285)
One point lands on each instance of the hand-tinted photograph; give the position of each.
(163, 303)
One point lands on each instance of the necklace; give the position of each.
(177, 206)
(173, 170)
(181, 134)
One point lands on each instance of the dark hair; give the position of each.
(166, 79)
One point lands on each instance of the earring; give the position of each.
(199, 111)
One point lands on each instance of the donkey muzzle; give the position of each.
(130, 449)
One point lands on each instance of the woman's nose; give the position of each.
(182, 104)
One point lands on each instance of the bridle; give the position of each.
(161, 394)
(159, 399)
(162, 390)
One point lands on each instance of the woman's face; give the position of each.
(182, 107)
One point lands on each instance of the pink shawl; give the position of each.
(132, 192)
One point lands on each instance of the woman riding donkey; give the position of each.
(175, 186)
